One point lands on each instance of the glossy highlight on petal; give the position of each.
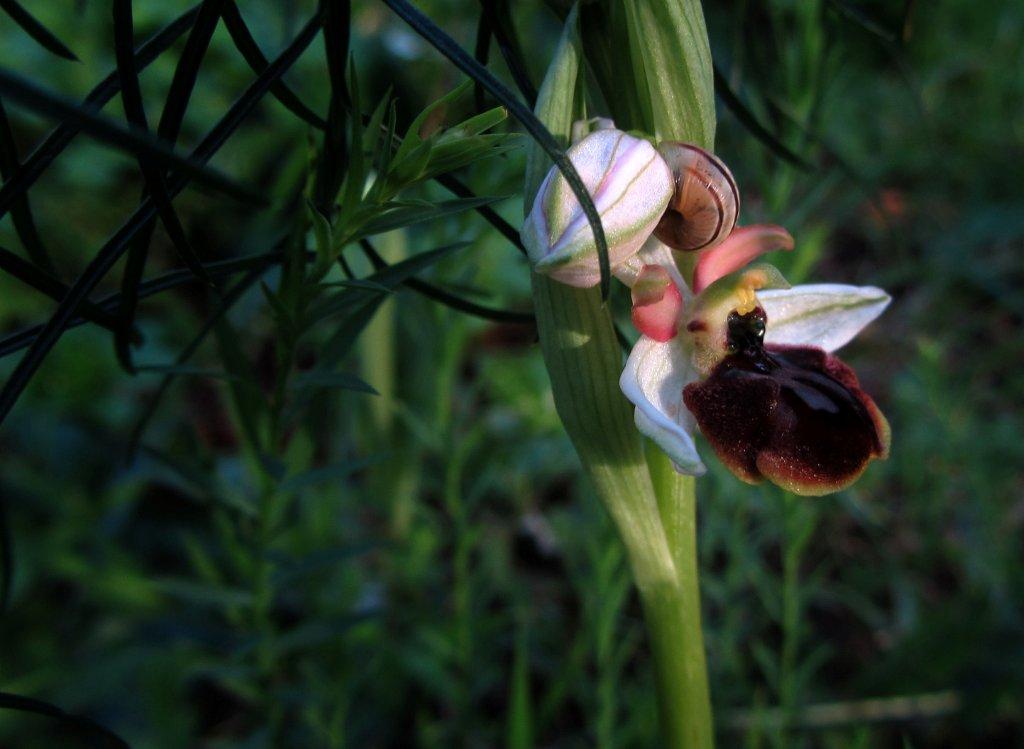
(793, 415)
(706, 319)
(657, 303)
(744, 245)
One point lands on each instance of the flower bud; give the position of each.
(630, 184)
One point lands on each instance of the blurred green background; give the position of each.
(444, 577)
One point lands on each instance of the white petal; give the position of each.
(824, 315)
(653, 381)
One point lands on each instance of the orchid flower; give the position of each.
(630, 184)
(740, 356)
(748, 360)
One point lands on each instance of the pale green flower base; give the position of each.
(653, 507)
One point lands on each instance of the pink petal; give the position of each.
(738, 249)
(656, 303)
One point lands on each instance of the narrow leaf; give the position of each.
(481, 53)
(334, 154)
(169, 126)
(447, 47)
(116, 246)
(246, 44)
(50, 286)
(403, 216)
(339, 380)
(21, 212)
(61, 136)
(747, 118)
(105, 130)
(84, 728)
(36, 30)
(170, 280)
(457, 188)
(502, 27)
(448, 299)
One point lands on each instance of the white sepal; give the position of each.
(824, 315)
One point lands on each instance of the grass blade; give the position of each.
(446, 298)
(852, 13)
(21, 212)
(169, 280)
(88, 730)
(747, 118)
(333, 161)
(399, 217)
(15, 186)
(447, 47)
(116, 246)
(455, 187)
(6, 557)
(171, 117)
(246, 44)
(481, 53)
(102, 128)
(50, 286)
(47, 39)
(504, 31)
(226, 303)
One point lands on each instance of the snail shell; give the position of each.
(703, 210)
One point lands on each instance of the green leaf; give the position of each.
(447, 46)
(428, 121)
(358, 305)
(31, 26)
(185, 369)
(334, 472)
(669, 49)
(79, 726)
(375, 129)
(244, 395)
(520, 713)
(407, 214)
(204, 595)
(340, 380)
(558, 104)
(356, 283)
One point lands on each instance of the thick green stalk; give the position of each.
(677, 505)
(583, 360)
(653, 508)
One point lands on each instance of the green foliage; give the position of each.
(293, 560)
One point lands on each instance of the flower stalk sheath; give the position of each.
(653, 507)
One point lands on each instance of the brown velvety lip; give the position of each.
(793, 415)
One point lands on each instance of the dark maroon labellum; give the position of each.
(794, 415)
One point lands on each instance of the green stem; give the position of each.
(677, 638)
(799, 521)
(656, 520)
